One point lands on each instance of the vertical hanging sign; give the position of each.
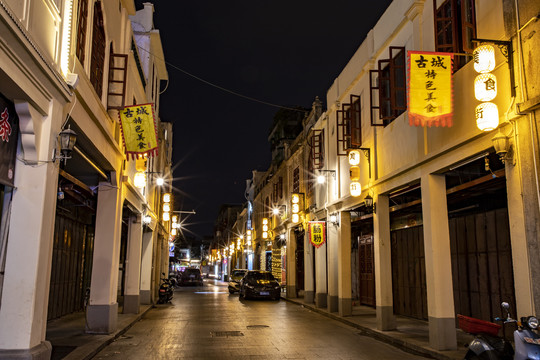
(430, 90)
(139, 130)
(9, 133)
(317, 233)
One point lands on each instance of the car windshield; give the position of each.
(238, 273)
(192, 271)
(261, 276)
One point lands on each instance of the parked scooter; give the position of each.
(165, 290)
(486, 344)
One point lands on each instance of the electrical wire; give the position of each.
(220, 87)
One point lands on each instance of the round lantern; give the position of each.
(354, 157)
(484, 58)
(166, 207)
(167, 197)
(487, 116)
(166, 216)
(354, 173)
(485, 87)
(139, 180)
(295, 218)
(295, 208)
(356, 189)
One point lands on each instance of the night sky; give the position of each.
(279, 52)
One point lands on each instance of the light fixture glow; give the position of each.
(265, 235)
(139, 179)
(484, 58)
(265, 227)
(275, 211)
(173, 231)
(355, 188)
(485, 87)
(265, 221)
(295, 198)
(167, 197)
(354, 157)
(295, 208)
(295, 218)
(160, 181)
(487, 116)
(174, 218)
(166, 207)
(354, 173)
(320, 179)
(166, 216)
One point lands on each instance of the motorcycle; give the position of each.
(487, 345)
(166, 290)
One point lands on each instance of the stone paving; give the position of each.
(208, 323)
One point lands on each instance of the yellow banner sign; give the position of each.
(139, 130)
(430, 88)
(317, 233)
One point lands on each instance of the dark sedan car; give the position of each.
(191, 276)
(259, 284)
(236, 276)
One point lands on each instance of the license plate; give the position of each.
(192, 276)
(532, 341)
(265, 293)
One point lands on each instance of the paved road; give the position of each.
(208, 323)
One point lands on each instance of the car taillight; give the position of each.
(161, 290)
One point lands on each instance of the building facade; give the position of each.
(77, 234)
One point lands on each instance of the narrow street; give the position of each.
(209, 323)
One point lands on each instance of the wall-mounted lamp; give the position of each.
(370, 204)
(333, 218)
(502, 146)
(321, 179)
(147, 219)
(67, 138)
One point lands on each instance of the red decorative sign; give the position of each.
(317, 233)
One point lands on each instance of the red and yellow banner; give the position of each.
(430, 88)
(139, 130)
(317, 233)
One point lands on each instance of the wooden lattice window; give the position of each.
(455, 28)
(317, 150)
(280, 187)
(98, 50)
(81, 29)
(296, 180)
(275, 192)
(388, 88)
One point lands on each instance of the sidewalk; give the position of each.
(70, 342)
(411, 335)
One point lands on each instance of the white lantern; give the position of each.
(295, 218)
(354, 157)
(295, 199)
(139, 180)
(166, 216)
(484, 58)
(487, 116)
(166, 197)
(173, 232)
(485, 87)
(295, 208)
(356, 189)
(265, 221)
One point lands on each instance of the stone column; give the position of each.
(309, 276)
(27, 274)
(146, 268)
(133, 266)
(291, 264)
(383, 265)
(321, 288)
(332, 263)
(440, 296)
(344, 265)
(102, 311)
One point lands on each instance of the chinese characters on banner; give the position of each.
(139, 130)
(430, 88)
(317, 233)
(9, 133)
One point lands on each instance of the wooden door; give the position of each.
(409, 273)
(366, 277)
(299, 260)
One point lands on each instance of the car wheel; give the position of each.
(231, 292)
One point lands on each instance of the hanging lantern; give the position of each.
(173, 232)
(175, 218)
(295, 208)
(354, 173)
(167, 198)
(485, 87)
(295, 218)
(484, 58)
(166, 216)
(487, 116)
(166, 207)
(139, 180)
(295, 198)
(356, 189)
(354, 157)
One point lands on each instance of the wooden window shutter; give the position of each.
(355, 123)
(342, 129)
(446, 26)
(280, 187)
(274, 192)
(374, 97)
(98, 50)
(385, 91)
(317, 150)
(116, 92)
(398, 82)
(81, 29)
(468, 25)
